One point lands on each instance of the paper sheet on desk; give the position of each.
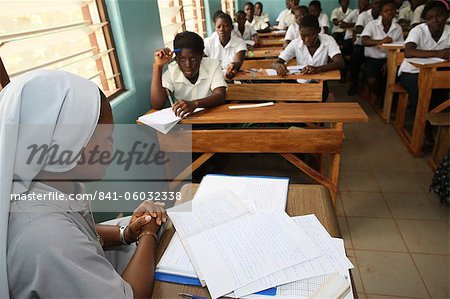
(424, 61)
(305, 288)
(293, 69)
(257, 193)
(162, 120)
(330, 261)
(244, 250)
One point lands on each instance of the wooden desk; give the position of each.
(392, 63)
(326, 140)
(262, 75)
(429, 78)
(302, 200)
(264, 52)
(277, 41)
(275, 33)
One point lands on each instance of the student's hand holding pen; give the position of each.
(309, 69)
(183, 108)
(281, 69)
(163, 56)
(231, 70)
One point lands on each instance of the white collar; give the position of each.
(180, 78)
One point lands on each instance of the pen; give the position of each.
(190, 296)
(176, 50)
(169, 96)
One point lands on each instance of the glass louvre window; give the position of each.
(181, 15)
(229, 6)
(71, 35)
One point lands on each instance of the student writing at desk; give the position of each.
(226, 47)
(195, 81)
(312, 50)
(430, 39)
(53, 248)
(244, 30)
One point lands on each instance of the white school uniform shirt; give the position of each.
(374, 30)
(280, 15)
(350, 18)
(265, 16)
(363, 19)
(323, 21)
(214, 49)
(339, 14)
(292, 32)
(249, 31)
(417, 15)
(210, 77)
(421, 36)
(405, 12)
(287, 19)
(328, 49)
(258, 23)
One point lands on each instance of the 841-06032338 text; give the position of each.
(155, 196)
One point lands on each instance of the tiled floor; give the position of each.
(396, 232)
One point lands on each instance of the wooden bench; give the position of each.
(302, 200)
(441, 143)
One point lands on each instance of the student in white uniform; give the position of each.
(293, 31)
(357, 57)
(226, 47)
(348, 24)
(311, 50)
(257, 22)
(194, 81)
(337, 16)
(404, 12)
(417, 9)
(244, 30)
(430, 39)
(284, 11)
(288, 18)
(259, 12)
(384, 30)
(54, 249)
(315, 9)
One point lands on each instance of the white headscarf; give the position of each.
(50, 99)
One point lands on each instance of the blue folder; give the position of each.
(195, 282)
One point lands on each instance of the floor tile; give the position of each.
(375, 234)
(425, 236)
(356, 276)
(361, 296)
(441, 207)
(339, 207)
(345, 233)
(372, 296)
(411, 206)
(357, 181)
(365, 204)
(395, 181)
(389, 273)
(394, 162)
(435, 272)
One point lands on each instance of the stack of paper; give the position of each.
(239, 241)
(163, 120)
(293, 69)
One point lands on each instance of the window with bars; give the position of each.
(229, 6)
(181, 15)
(71, 35)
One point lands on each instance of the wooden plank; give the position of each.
(441, 79)
(264, 52)
(271, 41)
(262, 63)
(189, 170)
(253, 141)
(279, 92)
(281, 113)
(262, 75)
(302, 200)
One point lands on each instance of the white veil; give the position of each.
(50, 99)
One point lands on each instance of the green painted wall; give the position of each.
(273, 7)
(211, 6)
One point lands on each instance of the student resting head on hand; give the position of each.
(51, 246)
(192, 81)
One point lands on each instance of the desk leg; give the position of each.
(190, 169)
(312, 173)
(423, 104)
(392, 69)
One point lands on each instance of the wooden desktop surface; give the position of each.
(281, 113)
(262, 75)
(302, 200)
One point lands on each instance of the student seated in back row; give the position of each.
(293, 31)
(312, 50)
(257, 22)
(226, 47)
(244, 30)
(384, 30)
(315, 9)
(430, 39)
(195, 81)
(259, 12)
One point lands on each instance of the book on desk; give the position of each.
(222, 234)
